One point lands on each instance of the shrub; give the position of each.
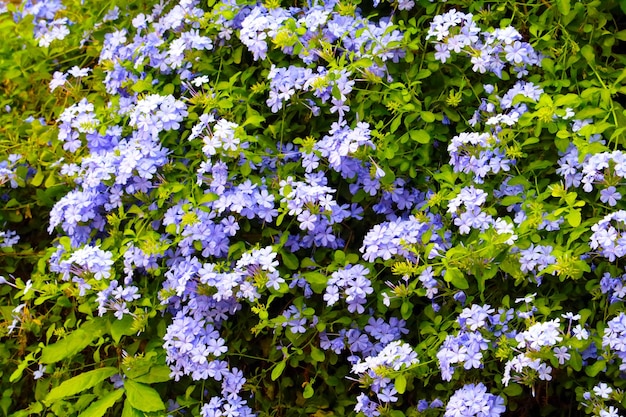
(406, 208)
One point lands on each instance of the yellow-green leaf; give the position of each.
(143, 397)
(400, 384)
(79, 383)
(100, 407)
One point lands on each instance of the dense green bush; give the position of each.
(333, 208)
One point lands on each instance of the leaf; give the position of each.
(420, 136)
(17, 374)
(121, 328)
(564, 6)
(589, 54)
(142, 85)
(621, 35)
(576, 361)
(51, 180)
(289, 259)
(278, 370)
(456, 278)
(406, 309)
(428, 116)
(100, 407)
(38, 178)
(400, 384)
(513, 390)
(395, 123)
(159, 373)
(129, 411)
(79, 383)
(74, 342)
(317, 280)
(317, 354)
(596, 368)
(568, 100)
(574, 217)
(538, 164)
(254, 120)
(143, 397)
(308, 390)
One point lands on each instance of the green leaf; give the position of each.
(576, 361)
(574, 217)
(585, 313)
(539, 164)
(568, 100)
(456, 278)
(400, 384)
(79, 383)
(428, 116)
(51, 180)
(129, 411)
(621, 35)
(564, 6)
(121, 328)
(420, 136)
(308, 390)
(289, 259)
(142, 85)
(406, 309)
(596, 368)
(254, 120)
(159, 373)
(317, 354)
(278, 370)
(143, 397)
(38, 178)
(395, 123)
(100, 407)
(589, 54)
(513, 390)
(17, 374)
(74, 342)
(317, 280)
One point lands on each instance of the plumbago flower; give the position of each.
(376, 370)
(9, 176)
(474, 400)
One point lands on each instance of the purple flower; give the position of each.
(610, 195)
(474, 400)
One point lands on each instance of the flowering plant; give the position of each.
(322, 208)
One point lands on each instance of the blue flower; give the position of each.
(474, 400)
(610, 195)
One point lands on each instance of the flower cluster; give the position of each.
(595, 400)
(614, 336)
(607, 236)
(474, 400)
(49, 26)
(396, 356)
(352, 285)
(393, 238)
(457, 32)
